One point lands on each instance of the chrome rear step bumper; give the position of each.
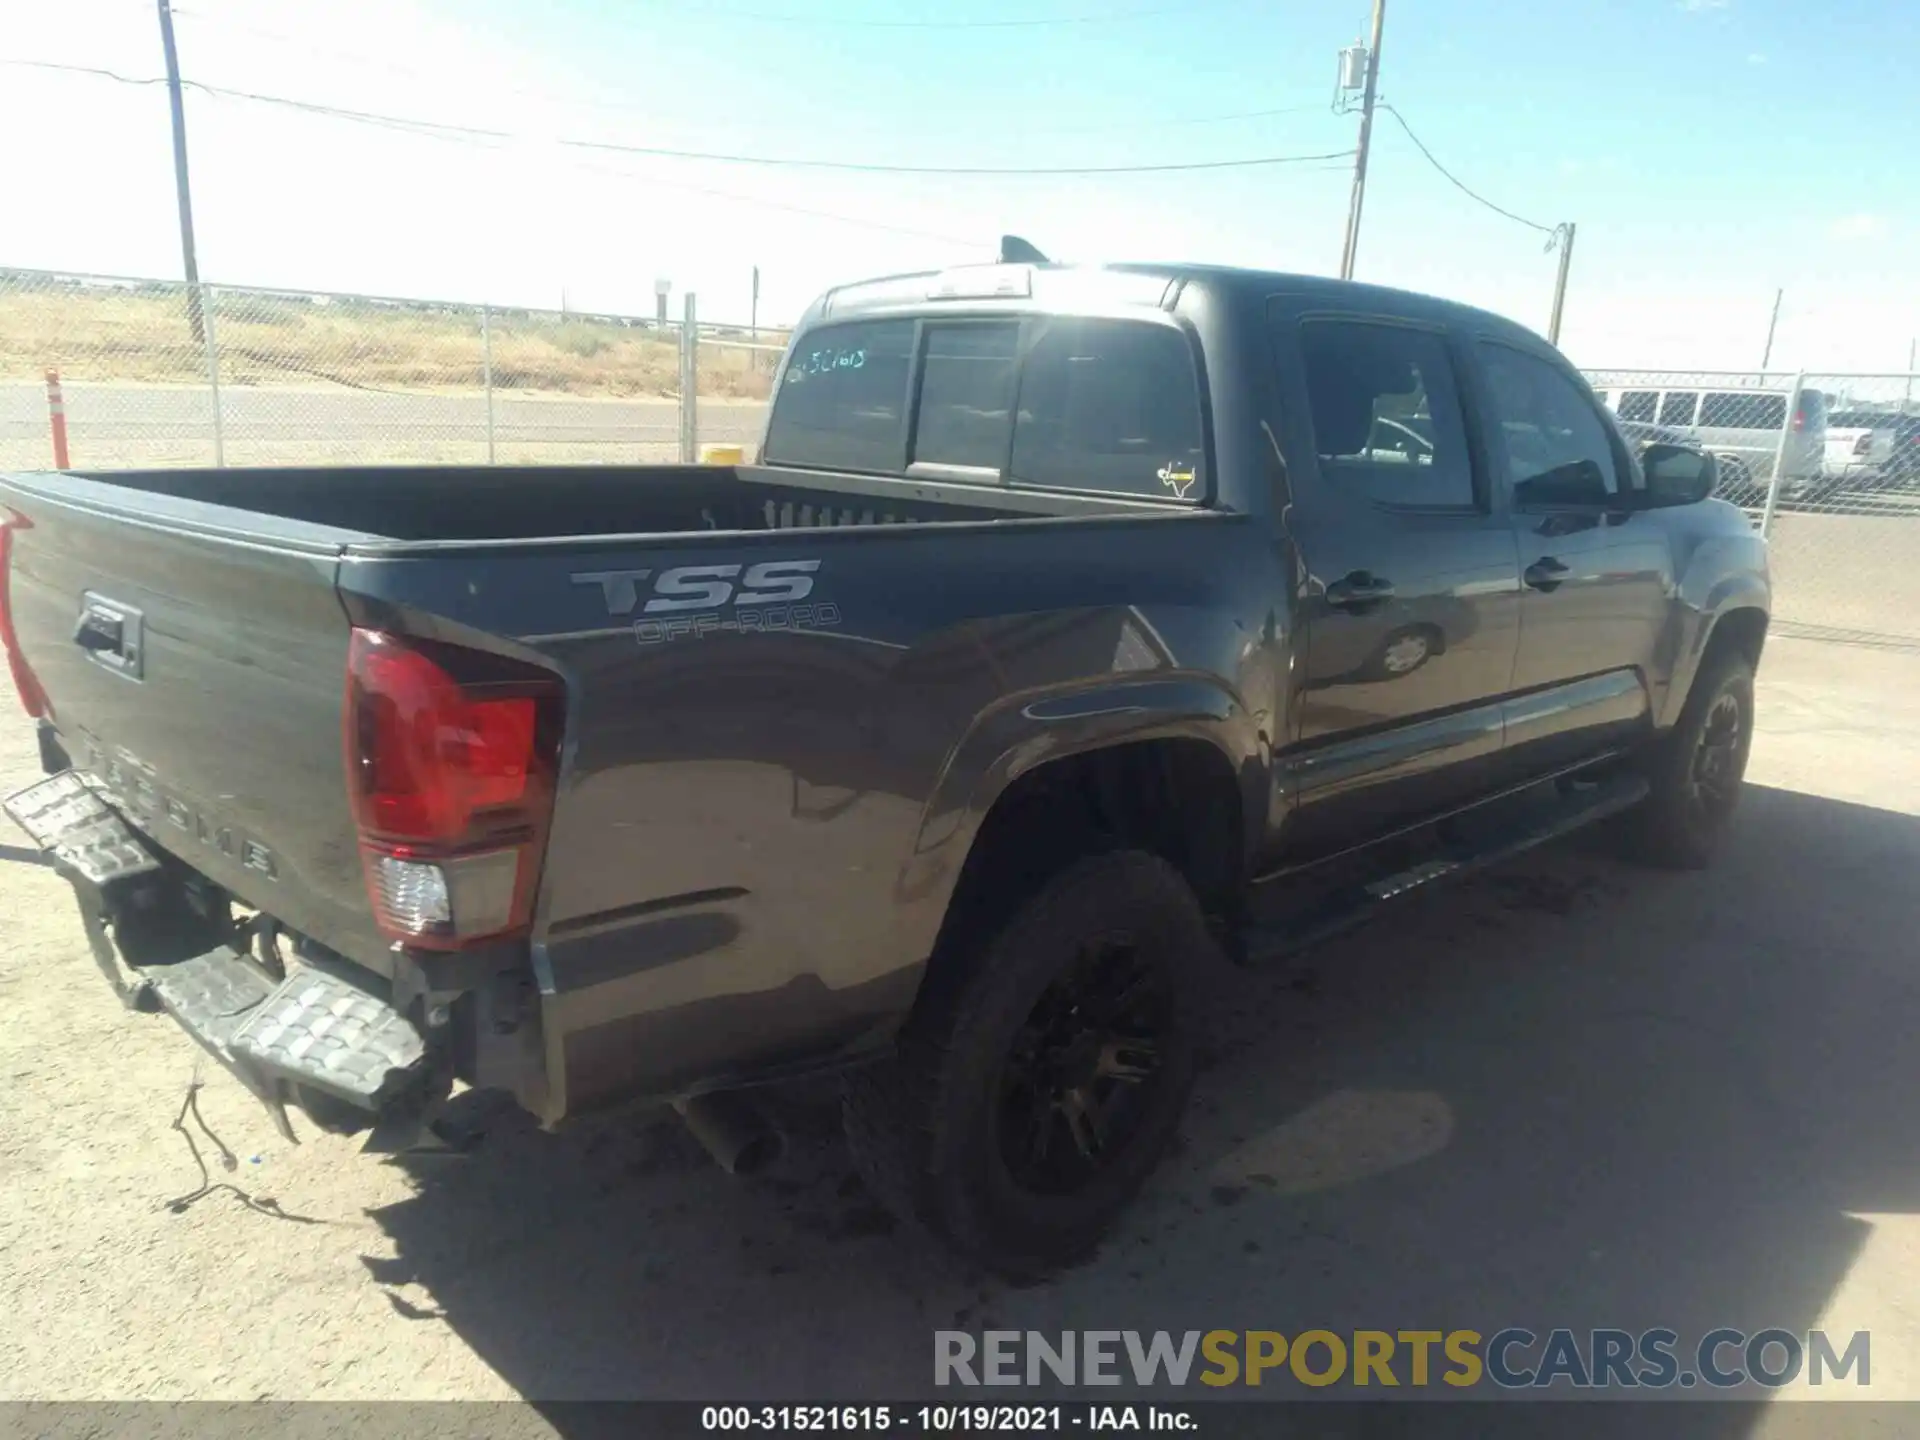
(312, 1029)
(315, 1029)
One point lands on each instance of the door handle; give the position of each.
(1358, 590)
(1546, 573)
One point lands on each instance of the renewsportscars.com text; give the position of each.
(1514, 1358)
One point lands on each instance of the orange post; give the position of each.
(57, 415)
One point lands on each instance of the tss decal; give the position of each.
(704, 599)
(703, 587)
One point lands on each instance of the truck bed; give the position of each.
(355, 506)
(725, 766)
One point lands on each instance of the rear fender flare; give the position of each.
(1025, 733)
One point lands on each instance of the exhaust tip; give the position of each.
(733, 1130)
(760, 1153)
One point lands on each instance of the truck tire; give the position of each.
(1696, 768)
(1029, 1101)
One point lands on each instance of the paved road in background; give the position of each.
(1851, 568)
(129, 424)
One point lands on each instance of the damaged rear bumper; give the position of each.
(317, 1030)
(312, 1030)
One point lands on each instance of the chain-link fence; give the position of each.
(154, 373)
(1829, 466)
(99, 373)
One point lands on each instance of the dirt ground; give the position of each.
(1569, 1093)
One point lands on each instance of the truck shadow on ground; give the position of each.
(1570, 1093)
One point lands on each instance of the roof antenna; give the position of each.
(1015, 251)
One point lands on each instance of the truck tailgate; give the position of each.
(200, 674)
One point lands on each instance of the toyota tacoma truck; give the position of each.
(1073, 631)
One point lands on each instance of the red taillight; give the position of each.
(24, 680)
(451, 756)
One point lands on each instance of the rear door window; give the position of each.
(1641, 405)
(966, 394)
(1742, 410)
(843, 399)
(1676, 407)
(1110, 406)
(1386, 413)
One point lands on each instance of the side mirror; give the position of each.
(1578, 483)
(1678, 475)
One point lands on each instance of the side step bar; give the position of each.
(1353, 905)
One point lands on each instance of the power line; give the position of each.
(873, 169)
(1319, 109)
(759, 203)
(1460, 185)
(595, 169)
(88, 70)
(756, 201)
(1560, 236)
(446, 130)
(308, 48)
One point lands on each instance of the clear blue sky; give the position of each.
(1708, 151)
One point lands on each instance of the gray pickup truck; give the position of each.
(1075, 629)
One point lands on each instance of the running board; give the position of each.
(1353, 905)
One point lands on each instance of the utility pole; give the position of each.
(1352, 245)
(1772, 322)
(1565, 236)
(753, 320)
(180, 183)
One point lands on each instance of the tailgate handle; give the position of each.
(110, 633)
(99, 632)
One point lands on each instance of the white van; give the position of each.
(1741, 425)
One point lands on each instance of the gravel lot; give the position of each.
(1570, 1093)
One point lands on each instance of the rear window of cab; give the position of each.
(1096, 405)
